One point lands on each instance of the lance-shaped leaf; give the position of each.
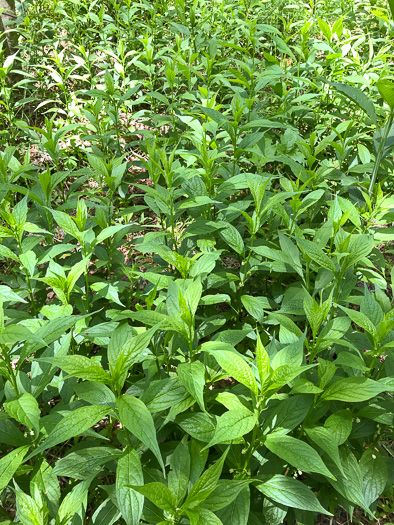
(9, 464)
(232, 362)
(192, 376)
(79, 366)
(73, 424)
(232, 425)
(358, 97)
(25, 410)
(138, 420)
(129, 472)
(292, 493)
(297, 453)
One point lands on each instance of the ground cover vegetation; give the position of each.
(196, 298)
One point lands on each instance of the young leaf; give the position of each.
(232, 363)
(30, 512)
(262, 360)
(205, 484)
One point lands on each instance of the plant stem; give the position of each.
(380, 152)
(10, 370)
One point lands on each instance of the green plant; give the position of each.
(196, 305)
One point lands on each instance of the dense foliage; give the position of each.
(196, 306)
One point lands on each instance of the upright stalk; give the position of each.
(379, 155)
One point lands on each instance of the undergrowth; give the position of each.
(196, 298)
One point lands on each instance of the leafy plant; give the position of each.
(196, 306)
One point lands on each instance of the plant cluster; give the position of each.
(196, 297)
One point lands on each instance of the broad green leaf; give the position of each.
(286, 414)
(231, 236)
(192, 376)
(340, 425)
(359, 247)
(316, 254)
(30, 512)
(129, 472)
(362, 320)
(291, 355)
(303, 386)
(94, 393)
(232, 425)
(262, 360)
(351, 485)
(79, 366)
(73, 503)
(353, 390)
(66, 223)
(285, 374)
(25, 410)
(85, 462)
(9, 464)
(255, 306)
(199, 425)
(225, 492)
(73, 424)
(391, 5)
(29, 261)
(386, 86)
(323, 439)
(232, 363)
(106, 514)
(158, 494)
(131, 351)
(138, 420)
(325, 29)
(163, 394)
(15, 333)
(203, 516)
(237, 512)
(178, 477)
(292, 493)
(297, 453)
(6, 253)
(374, 472)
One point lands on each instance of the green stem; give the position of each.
(11, 372)
(247, 259)
(87, 287)
(379, 155)
(28, 282)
